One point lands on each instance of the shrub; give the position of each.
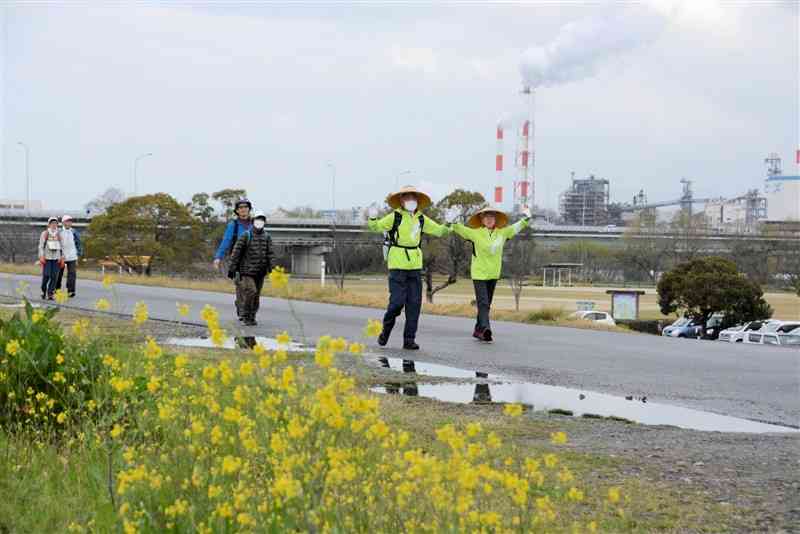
(45, 376)
(652, 326)
(545, 314)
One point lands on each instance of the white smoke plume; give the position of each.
(580, 47)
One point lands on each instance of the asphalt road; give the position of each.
(755, 382)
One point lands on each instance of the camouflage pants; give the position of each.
(248, 296)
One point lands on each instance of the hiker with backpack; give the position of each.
(235, 228)
(404, 227)
(248, 266)
(71, 241)
(51, 257)
(488, 230)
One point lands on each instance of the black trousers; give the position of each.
(49, 277)
(405, 292)
(484, 293)
(72, 275)
(248, 295)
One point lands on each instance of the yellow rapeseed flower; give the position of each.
(357, 348)
(231, 464)
(58, 377)
(373, 328)
(60, 359)
(62, 417)
(278, 278)
(102, 305)
(61, 296)
(117, 431)
(37, 316)
(283, 338)
(81, 328)
(108, 281)
(152, 350)
(218, 337)
(140, 313)
(181, 360)
(574, 494)
(12, 347)
(613, 495)
(514, 410)
(558, 438)
(183, 309)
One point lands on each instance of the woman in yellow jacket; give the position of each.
(488, 230)
(404, 227)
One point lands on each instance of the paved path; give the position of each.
(756, 382)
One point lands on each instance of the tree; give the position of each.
(647, 251)
(227, 198)
(104, 201)
(708, 285)
(517, 267)
(155, 226)
(201, 209)
(450, 255)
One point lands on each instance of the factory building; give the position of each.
(585, 203)
(782, 191)
(736, 215)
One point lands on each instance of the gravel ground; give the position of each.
(756, 475)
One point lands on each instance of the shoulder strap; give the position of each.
(398, 218)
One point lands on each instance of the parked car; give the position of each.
(775, 328)
(790, 340)
(683, 327)
(774, 338)
(735, 334)
(596, 316)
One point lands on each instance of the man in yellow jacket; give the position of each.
(404, 227)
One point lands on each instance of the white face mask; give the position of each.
(410, 205)
(258, 224)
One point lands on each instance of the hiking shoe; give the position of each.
(44, 296)
(477, 333)
(487, 334)
(409, 344)
(72, 295)
(383, 339)
(50, 297)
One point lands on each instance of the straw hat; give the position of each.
(395, 199)
(501, 219)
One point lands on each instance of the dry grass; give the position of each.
(455, 300)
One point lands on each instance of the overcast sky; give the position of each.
(264, 96)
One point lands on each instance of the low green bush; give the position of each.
(46, 376)
(545, 314)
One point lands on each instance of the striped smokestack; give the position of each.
(498, 166)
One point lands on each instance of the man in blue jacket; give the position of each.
(238, 226)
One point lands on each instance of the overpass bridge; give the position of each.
(308, 240)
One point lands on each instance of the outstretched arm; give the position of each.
(382, 224)
(463, 231)
(513, 229)
(433, 228)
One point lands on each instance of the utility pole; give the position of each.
(27, 177)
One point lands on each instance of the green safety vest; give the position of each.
(405, 239)
(487, 252)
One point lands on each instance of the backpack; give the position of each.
(390, 239)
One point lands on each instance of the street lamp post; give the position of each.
(135, 170)
(333, 187)
(27, 177)
(397, 179)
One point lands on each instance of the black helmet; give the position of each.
(242, 202)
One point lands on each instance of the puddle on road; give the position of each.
(564, 401)
(428, 369)
(239, 342)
